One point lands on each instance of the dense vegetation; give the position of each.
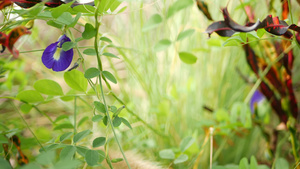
(183, 83)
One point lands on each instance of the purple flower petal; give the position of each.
(47, 57)
(62, 40)
(65, 58)
(256, 98)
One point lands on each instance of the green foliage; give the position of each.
(153, 22)
(170, 84)
(76, 80)
(48, 87)
(91, 73)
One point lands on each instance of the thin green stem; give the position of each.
(43, 113)
(136, 116)
(97, 25)
(17, 110)
(75, 114)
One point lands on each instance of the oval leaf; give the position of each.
(91, 72)
(76, 80)
(187, 58)
(100, 141)
(124, 121)
(186, 143)
(68, 45)
(117, 121)
(65, 136)
(91, 157)
(109, 76)
(67, 152)
(100, 106)
(30, 96)
(105, 39)
(25, 108)
(110, 55)
(185, 34)
(48, 87)
(167, 154)
(162, 45)
(178, 5)
(81, 135)
(90, 52)
(153, 22)
(97, 118)
(182, 158)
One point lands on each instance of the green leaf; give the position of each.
(187, 57)
(67, 164)
(109, 76)
(66, 18)
(91, 157)
(124, 121)
(253, 163)
(99, 141)
(233, 41)
(64, 126)
(81, 150)
(65, 136)
(179, 5)
(244, 164)
(167, 154)
(117, 121)
(97, 118)
(76, 80)
(58, 11)
(30, 96)
(186, 143)
(67, 152)
(105, 120)
(68, 45)
(116, 160)
(25, 108)
(91, 73)
(29, 166)
(36, 10)
(153, 22)
(100, 106)
(162, 45)
(182, 158)
(90, 52)
(110, 55)
(4, 164)
(281, 163)
(240, 111)
(185, 34)
(81, 135)
(84, 8)
(260, 32)
(55, 24)
(46, 158)
(89, 31)
(77, 17)
(105, 5)
(82, 121)
(102, 155)
(48, 87)
(103, 38)
(61, 117)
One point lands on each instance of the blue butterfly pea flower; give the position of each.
(256, 98)
(65, 57)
